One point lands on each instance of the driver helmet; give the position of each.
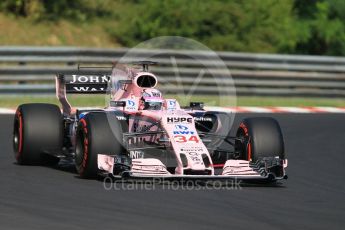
(151, 99)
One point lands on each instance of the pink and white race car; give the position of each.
(141, 134)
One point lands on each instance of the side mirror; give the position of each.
(117, 103)
(196, 105)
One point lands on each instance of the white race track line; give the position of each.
(251, 109)
(245, 109)
(7, 111)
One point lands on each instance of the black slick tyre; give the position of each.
(263, 138)
(37, 130)
(97, 133)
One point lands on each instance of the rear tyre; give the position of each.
(38, 129)
(262, 138)
(97, 133)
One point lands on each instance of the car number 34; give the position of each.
(186, 139)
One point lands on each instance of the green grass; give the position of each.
(291, 101)
(100, 101)
(25, 31)
(75, 100)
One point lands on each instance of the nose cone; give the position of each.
(195, 161)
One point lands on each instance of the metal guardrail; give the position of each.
(31, 70)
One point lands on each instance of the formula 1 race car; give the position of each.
(140, 134)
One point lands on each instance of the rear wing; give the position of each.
(79, 84)
(91, 81)
(83, 84)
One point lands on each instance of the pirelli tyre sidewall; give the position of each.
(97, 133)
(263, 138)
(38, 130)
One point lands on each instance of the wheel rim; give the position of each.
(18, 135)
(79, 151)
(246, 147)
(16, 139)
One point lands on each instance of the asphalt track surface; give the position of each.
(313, 197)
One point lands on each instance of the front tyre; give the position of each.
(97, 133)
(262, 137)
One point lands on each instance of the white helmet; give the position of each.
(151, 99)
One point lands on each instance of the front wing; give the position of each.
(266, 169)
